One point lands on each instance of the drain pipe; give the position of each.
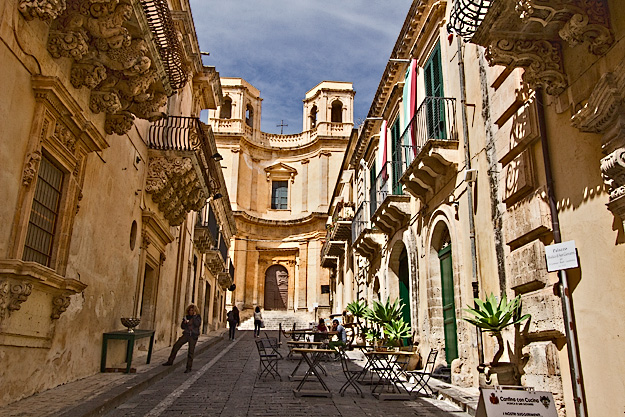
(467, 157)
(568, 312)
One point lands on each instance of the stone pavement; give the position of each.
(223, 383)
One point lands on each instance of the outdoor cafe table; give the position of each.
(389, 369)
(312, 357)
(297, 334)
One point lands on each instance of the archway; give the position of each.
(276, 288)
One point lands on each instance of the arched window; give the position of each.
(249, 116)
(226, 109)
(337, 111)
(313, 117)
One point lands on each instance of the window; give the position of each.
(249, 116)
(44, 214)
(337, 111)
(313, 117)
(280, 195)
(226, 109)
(433, 91)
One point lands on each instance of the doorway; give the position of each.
(449, 307)
(148, 297)
(404, 289)
(276, 288)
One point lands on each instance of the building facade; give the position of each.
(280, 188)
(476, 155)
(110, 185)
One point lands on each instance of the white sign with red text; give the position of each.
(515, 403)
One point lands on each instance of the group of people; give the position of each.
(192, 321)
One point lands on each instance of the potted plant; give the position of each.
(396, 331)
(358, 309)
(492, 316)
(384, 314)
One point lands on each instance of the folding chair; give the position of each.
(268, 359)
(351, 374)
(423, 376)
(275, 345)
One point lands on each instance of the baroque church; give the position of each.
(280, 187)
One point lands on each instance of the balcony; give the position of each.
(180, 172)
(366, 240)
(217, 256)
(206, 232)
(530, 34)
(432, 153)
(391, 208)
(225, 279)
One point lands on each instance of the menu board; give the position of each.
(498, 402)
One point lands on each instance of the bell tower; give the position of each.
(328, 107)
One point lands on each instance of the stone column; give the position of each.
(325, 172)
(254, 185)
(304, 177)
(234, 173)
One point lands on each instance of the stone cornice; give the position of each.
(294, 222)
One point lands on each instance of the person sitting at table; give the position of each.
(341, 334)
(320, 328)
(191, 331)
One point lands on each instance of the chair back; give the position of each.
(264, 346)
(429, 365)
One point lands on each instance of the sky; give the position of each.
(286, 47)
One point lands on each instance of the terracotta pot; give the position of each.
(500, 373)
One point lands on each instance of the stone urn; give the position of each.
(498, 373)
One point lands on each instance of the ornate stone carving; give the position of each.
(104, 101)
(175, 187)
(67, 44)
(541, 59)
(59, 305)
(592, 29)
(118, 123)
(613, 170)
(31, 167)
(87, 74)
(5, 296)
(149, 109)
(65, 136)
(18, 294)
(45, 10)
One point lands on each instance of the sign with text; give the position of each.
(499, 402)
(561, 256)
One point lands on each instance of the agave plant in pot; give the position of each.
(358, 310)
(387, 320)
(492, 317)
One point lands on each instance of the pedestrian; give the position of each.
(258, 321)
(233, 320)
(190, 333)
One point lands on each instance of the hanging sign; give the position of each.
(499, 402)
(561, 256)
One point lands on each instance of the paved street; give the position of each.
(224, 383)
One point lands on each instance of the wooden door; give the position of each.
(449, 307)
(276, 288)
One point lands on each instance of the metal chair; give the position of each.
(423, 376)
(351, 374)
(268, 359)
(275, 345)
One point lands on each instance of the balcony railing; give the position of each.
(223, 248)
(387, 182)
(231, 268)
(466, 16)
(435, 119)
(360, 221)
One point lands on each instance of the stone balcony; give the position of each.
(433, 151)
(127, 54)
(531, 33)
(225, 279)
(392, 208)
(181, 172)
(366, 239)
(206, 233)
(217, 257)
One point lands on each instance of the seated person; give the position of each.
(341, 333)
(321, 328)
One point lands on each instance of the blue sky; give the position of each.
(286, 47)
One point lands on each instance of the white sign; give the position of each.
(499, 402)
(561, 256)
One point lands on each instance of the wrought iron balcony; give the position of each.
(366, 240)
(206, 232)
(180, 177)
(430, 146)
(467, 16)
(226, 278)
(391, 209)
(217, 256)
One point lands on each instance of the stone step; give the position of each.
(272, 320)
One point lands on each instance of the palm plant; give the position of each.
(396, 331)
(381, 314)
(358, 309)
(493, 317)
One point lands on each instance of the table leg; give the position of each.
(129, 350)
(105, 342)
(150, 348)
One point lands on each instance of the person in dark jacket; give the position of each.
(233, 321)
(190, 333)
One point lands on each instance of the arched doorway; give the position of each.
(276, 288)
(404, 286)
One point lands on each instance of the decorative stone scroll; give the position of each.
(45, 10)
(175, 186)
(31, 167)
(60, 303)
(12, 295)
(541, 59)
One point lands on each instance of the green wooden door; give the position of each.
(435, 107)
(397, 158)
(404, 290)
(449, 308)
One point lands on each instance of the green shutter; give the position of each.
(372, 190)
(434, 88)
(449, 308)
(396, 158)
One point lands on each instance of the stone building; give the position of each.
(106, 172)
(280, 188)
(460, 179)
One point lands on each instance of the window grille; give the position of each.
(44, 214)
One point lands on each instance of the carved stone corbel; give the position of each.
(118, 123)
(45, 10)
(590, 24)
(87, 74)
(541, 59)
(12, 295)
(60, 303)
(104, 101)
(31, 167)
(67, 44)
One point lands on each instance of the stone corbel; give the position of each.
(45, 10)
(60, 303)
(590, 24)
(31, 167)
(12, 295)
(541, 59)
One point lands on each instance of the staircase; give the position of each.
(273, 318)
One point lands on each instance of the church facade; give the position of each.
(280, 187)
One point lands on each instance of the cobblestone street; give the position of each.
(224, 383)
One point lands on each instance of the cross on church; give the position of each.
(281, 126)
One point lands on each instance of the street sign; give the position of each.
(561, 256)
(499, 402)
